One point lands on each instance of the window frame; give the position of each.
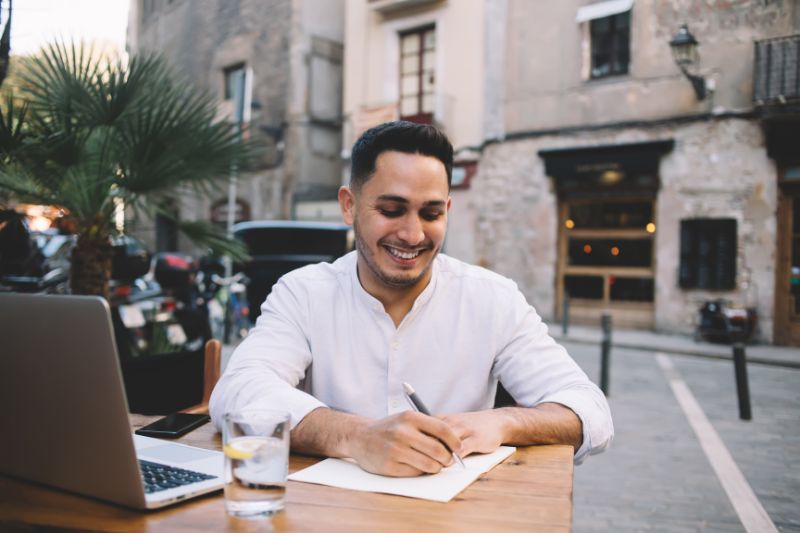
(420, 116)
(226, 74)
(618, 46)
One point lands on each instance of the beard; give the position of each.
(395, 281)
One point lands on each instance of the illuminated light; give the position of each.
(611, 177)
(587, 248)
(569, 223)
(651, 228)
(614, 251)
(39, 223)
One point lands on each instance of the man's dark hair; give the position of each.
(398, 136)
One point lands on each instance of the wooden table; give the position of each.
(531, 490)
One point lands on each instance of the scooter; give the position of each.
(144, 313)
(23, 266)
(722, 321)
(177, 274)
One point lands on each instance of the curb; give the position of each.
(760, 360)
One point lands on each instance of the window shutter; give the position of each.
(708, 254)
(686, 278)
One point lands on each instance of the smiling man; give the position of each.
(335, 342)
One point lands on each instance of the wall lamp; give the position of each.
(684, 51)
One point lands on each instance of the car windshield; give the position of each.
(294, 241)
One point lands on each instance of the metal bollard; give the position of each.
(742, 388)
(605, 352)
(565, 315)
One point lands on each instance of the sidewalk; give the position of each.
(648, 341)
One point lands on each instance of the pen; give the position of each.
(419, 406)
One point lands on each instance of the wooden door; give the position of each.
(787, 270)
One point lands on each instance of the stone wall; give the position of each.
(547, 49)
(718, 168)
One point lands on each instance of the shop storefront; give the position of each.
(606, 232)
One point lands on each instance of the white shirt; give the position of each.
(468, 329)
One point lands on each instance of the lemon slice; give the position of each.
(242, 447)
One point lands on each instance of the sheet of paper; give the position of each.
(441, 487)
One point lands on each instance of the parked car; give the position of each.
(280, 246)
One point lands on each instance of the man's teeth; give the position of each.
(403, 255)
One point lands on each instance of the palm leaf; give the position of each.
(215, 239)
(12, 133)
(94, 130)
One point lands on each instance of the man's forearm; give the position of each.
(404, 444)
(326, 432)
(547, 423)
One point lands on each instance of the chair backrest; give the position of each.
(163, 384)
(212, 367)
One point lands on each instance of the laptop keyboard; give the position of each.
(162, 477)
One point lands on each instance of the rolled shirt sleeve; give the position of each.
(271, 361)
(535, 369)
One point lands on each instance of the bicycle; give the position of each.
(228, 312)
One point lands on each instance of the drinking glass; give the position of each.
(256, 446)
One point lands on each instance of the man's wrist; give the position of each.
(328, 432)
(506, 423)
(352, 436)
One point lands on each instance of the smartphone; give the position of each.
(173, 426)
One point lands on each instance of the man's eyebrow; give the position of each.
(402, 200)
(392, 198)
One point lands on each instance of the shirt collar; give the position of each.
(371, 301)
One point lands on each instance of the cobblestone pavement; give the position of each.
(656, 476)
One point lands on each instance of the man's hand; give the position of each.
(547, 423)
(479, 431)
(406, 444)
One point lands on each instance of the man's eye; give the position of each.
(431, 215)
(391, 213)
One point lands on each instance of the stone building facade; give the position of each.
(601, 172)
(276, 65)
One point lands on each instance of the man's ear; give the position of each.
(347, 203)
(449, 203)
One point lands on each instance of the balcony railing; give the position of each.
(776, 71)
(387, 6)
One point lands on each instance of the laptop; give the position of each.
(65, 416)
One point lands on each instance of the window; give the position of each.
(610, 43)
(463, 172)
(234, 81)
(708, 254)
(606, 251)
(417, 74)
(237, 94)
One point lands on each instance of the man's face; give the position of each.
(399, 217)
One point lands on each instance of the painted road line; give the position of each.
(751, 513)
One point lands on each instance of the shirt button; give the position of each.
(395, 345)
(395, 404)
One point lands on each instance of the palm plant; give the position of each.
(91, 134)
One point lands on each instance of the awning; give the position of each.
(607, 170)
(603, 9)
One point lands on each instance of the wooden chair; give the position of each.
(211, 371)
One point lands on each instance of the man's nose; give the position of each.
(411, 231)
